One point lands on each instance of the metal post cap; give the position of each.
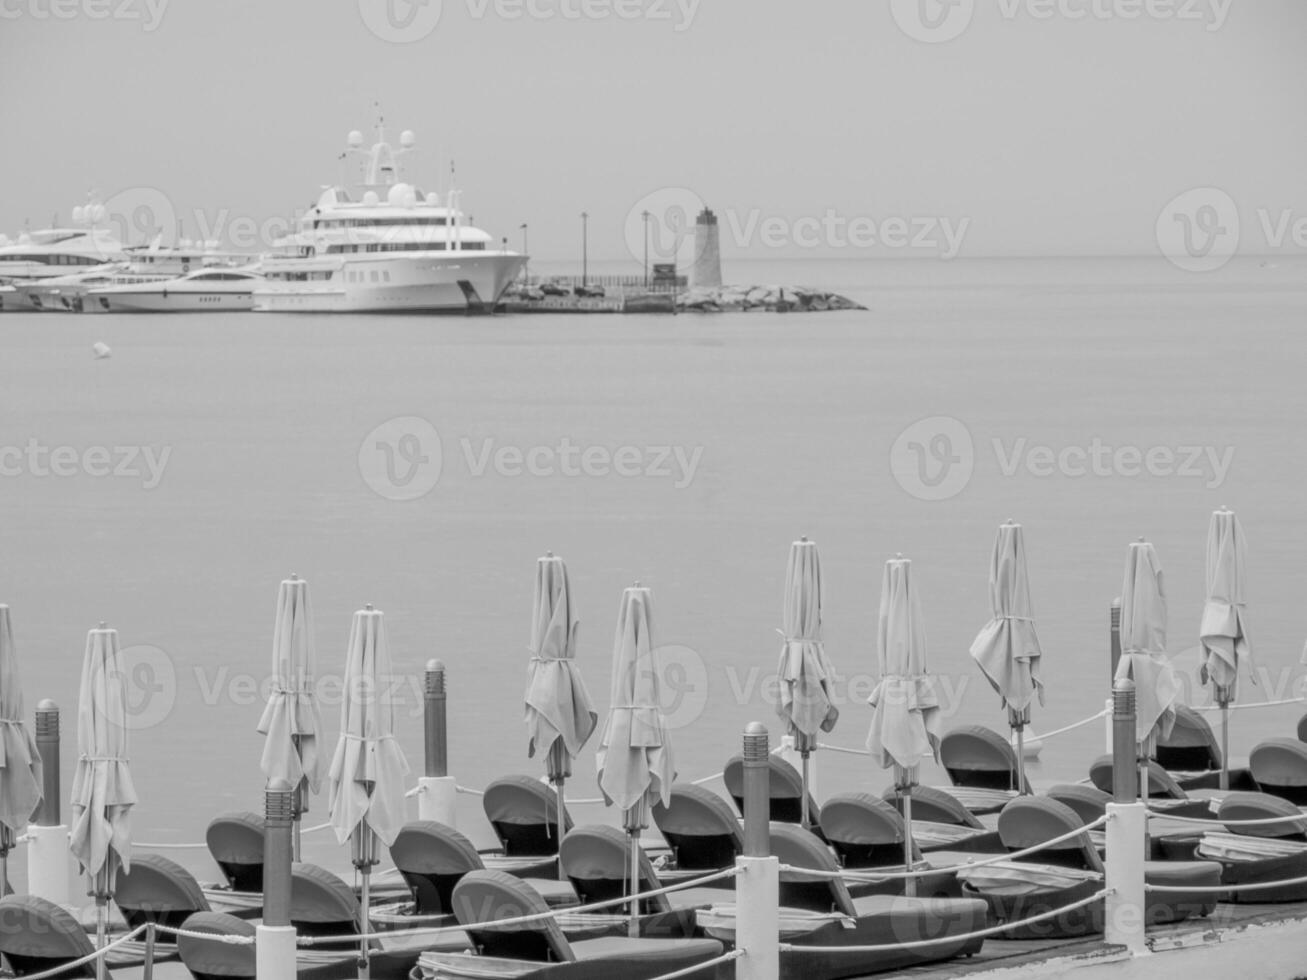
(1123, 697)
(279, 802)
(435, 677)
(47, 719)
(755, 742)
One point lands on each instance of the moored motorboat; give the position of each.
(204, 291)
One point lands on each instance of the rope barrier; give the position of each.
(1260, 822)
(978, 934)
(469, 791)
(1219, 889)
(526, 919)
(221, 937)
(1253, 704)
(876, 877)
(841, 748)
(160, 846)
(1079, 724)
(103, 951)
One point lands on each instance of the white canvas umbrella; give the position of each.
(291, 720)
(1007, 649)
(20, 762)
(1224, 628)
(368, 771)
(103, 794)
(905, 710)
(805, 672)
(635, 751)
(1143, 652)
(559, 718)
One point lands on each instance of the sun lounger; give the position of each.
(980, 758)
(702, 830)
(524, 814)
(37, 935)
(1164, 792)
(940, 822)
(1192, 754)
(1256, 855)
(1279, 767)
(1029, 821)
(539, 951)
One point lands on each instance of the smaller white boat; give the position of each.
(205, 291)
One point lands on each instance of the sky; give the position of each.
(1044, 127)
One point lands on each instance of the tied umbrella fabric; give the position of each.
(1143, 643)
(905, 718)
(1224, 629)
(103, 794)
(635, 754)
(291, 720)
(20, 762)
(558, 706)
(805, 672)
(1007, 649)
(368, 770)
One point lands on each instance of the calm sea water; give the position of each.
(793, 423)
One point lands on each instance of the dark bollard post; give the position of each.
(47, 743)
(757, 791)
(274, 940)
(437, 789)
(1125, 769)
(279, 809)
(757, 885)
(435, 722)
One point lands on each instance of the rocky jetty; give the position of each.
(769, 299)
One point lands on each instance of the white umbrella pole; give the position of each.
(101, 914)
(909, 884)
(1021, 759)
(633, 928)
(1225, 743)
(804, 815)
(365, 966)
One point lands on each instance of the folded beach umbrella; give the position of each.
(905, 710)
(1224, 629)
(368, 771)
(103, 794)
(20, 762)
(559, 718)
(806, 675)
(1007, 649)
(635, 751)
(291, 720)
(1143, 650)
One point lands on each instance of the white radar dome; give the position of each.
(406, 138)
(370, 198)
(433, 198)
(79, 214)
(355, 138)
(401, 196)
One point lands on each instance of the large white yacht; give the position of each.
(385, 246)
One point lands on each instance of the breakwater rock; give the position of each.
(769, 299)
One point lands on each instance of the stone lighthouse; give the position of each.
(706, 273)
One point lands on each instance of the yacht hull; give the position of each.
(170, 301)
(472, 283)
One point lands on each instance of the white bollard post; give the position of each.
(49, 864)
(274, 952)
(50, 867)
(438, 799)
(757, 886)
(757, 918)
(1127, 828)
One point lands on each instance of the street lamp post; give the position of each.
(645, 215)
(526, 266)
(585, 248)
